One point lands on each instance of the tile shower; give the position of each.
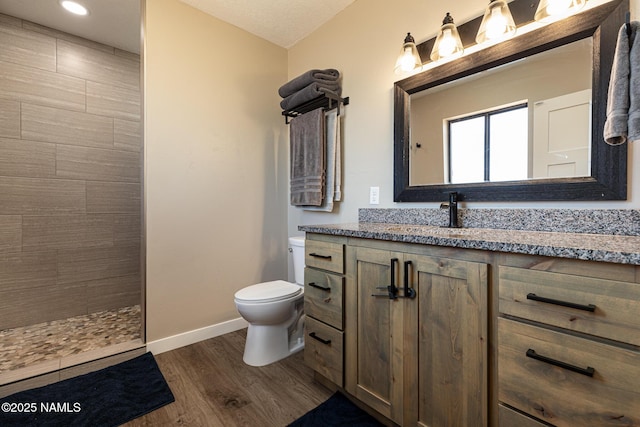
(70, 195)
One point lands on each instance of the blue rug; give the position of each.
(104, 398)
(336, 411)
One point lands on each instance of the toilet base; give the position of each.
(267, 344)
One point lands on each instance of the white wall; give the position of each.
(216, 171)
(363, 42)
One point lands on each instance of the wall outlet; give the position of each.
(374, 195)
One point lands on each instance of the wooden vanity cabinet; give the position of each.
(324, 306)
(568, 336)
(419, 358)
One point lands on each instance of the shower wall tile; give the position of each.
(109, 100)
(82, 265)
(9, 119)
(129, 55)
(113, 197)
(10, 233)
(96, 66)
(70, 173)
(114, 292)
(66, 36)
(31, 196)
(127, 230)
(27, 84)
(127, 135)
(66, 127)
(10, 20)
(97, 164)
(24, 270)
(36, 305)
(66, 232)
(25, 47)
(22, 158)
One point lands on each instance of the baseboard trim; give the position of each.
(197, 335)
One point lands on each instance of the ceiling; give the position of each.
(117, 22)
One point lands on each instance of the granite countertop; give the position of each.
(621, 249)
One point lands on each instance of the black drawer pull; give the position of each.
(588, 371)
(315, 337)
(324, 288)
(315, 255)
(591, 308)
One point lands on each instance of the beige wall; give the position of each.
(363, 42)
(216, 172)
(70, 169)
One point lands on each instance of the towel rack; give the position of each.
(325, 101)
(627, 23)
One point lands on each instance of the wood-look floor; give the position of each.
(214, 387)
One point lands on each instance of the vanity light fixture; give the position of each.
(448, 43)
(497, 23)
(553, 10)
(74, 7)
(409, 59)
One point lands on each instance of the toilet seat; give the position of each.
(268, 292)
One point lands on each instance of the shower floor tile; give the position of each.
(30, 345)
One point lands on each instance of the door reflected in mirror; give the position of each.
(528, 119)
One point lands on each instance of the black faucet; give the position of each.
(453, 209)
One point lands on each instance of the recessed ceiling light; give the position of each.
(74, 7)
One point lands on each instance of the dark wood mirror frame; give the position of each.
(608, 180)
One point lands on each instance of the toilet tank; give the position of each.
(297, 250)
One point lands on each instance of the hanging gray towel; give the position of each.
(623, 98)
(308, 93)
(634, 83)
(312, 76)
(307, 156)
(332, 159)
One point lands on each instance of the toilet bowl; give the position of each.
(275, 313)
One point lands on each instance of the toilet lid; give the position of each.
(268, 291)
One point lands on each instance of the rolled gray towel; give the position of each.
(310, 92)
(312, 76)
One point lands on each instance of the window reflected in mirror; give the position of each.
(489, 146)
(528, 119)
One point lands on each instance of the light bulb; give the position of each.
(447, 44)
(406, 62)
(558, 7)
(496, 25)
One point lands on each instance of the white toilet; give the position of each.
(275, 312)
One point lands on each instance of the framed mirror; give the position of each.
(430, 120)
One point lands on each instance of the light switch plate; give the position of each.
(374, 195)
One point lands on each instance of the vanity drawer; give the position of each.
(323, 350)
(323, 296)
(507, 417)
(548, 297)
(560, 395)
(325, 255)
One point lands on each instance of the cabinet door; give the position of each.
(445, 367)
(375, 324)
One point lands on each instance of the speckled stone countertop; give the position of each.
(622, 249)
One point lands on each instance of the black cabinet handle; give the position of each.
(408, 291)
(392, 289)
(591, 308)
(315, 255)
(324, 288)
(315, 337)
(588, 371)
